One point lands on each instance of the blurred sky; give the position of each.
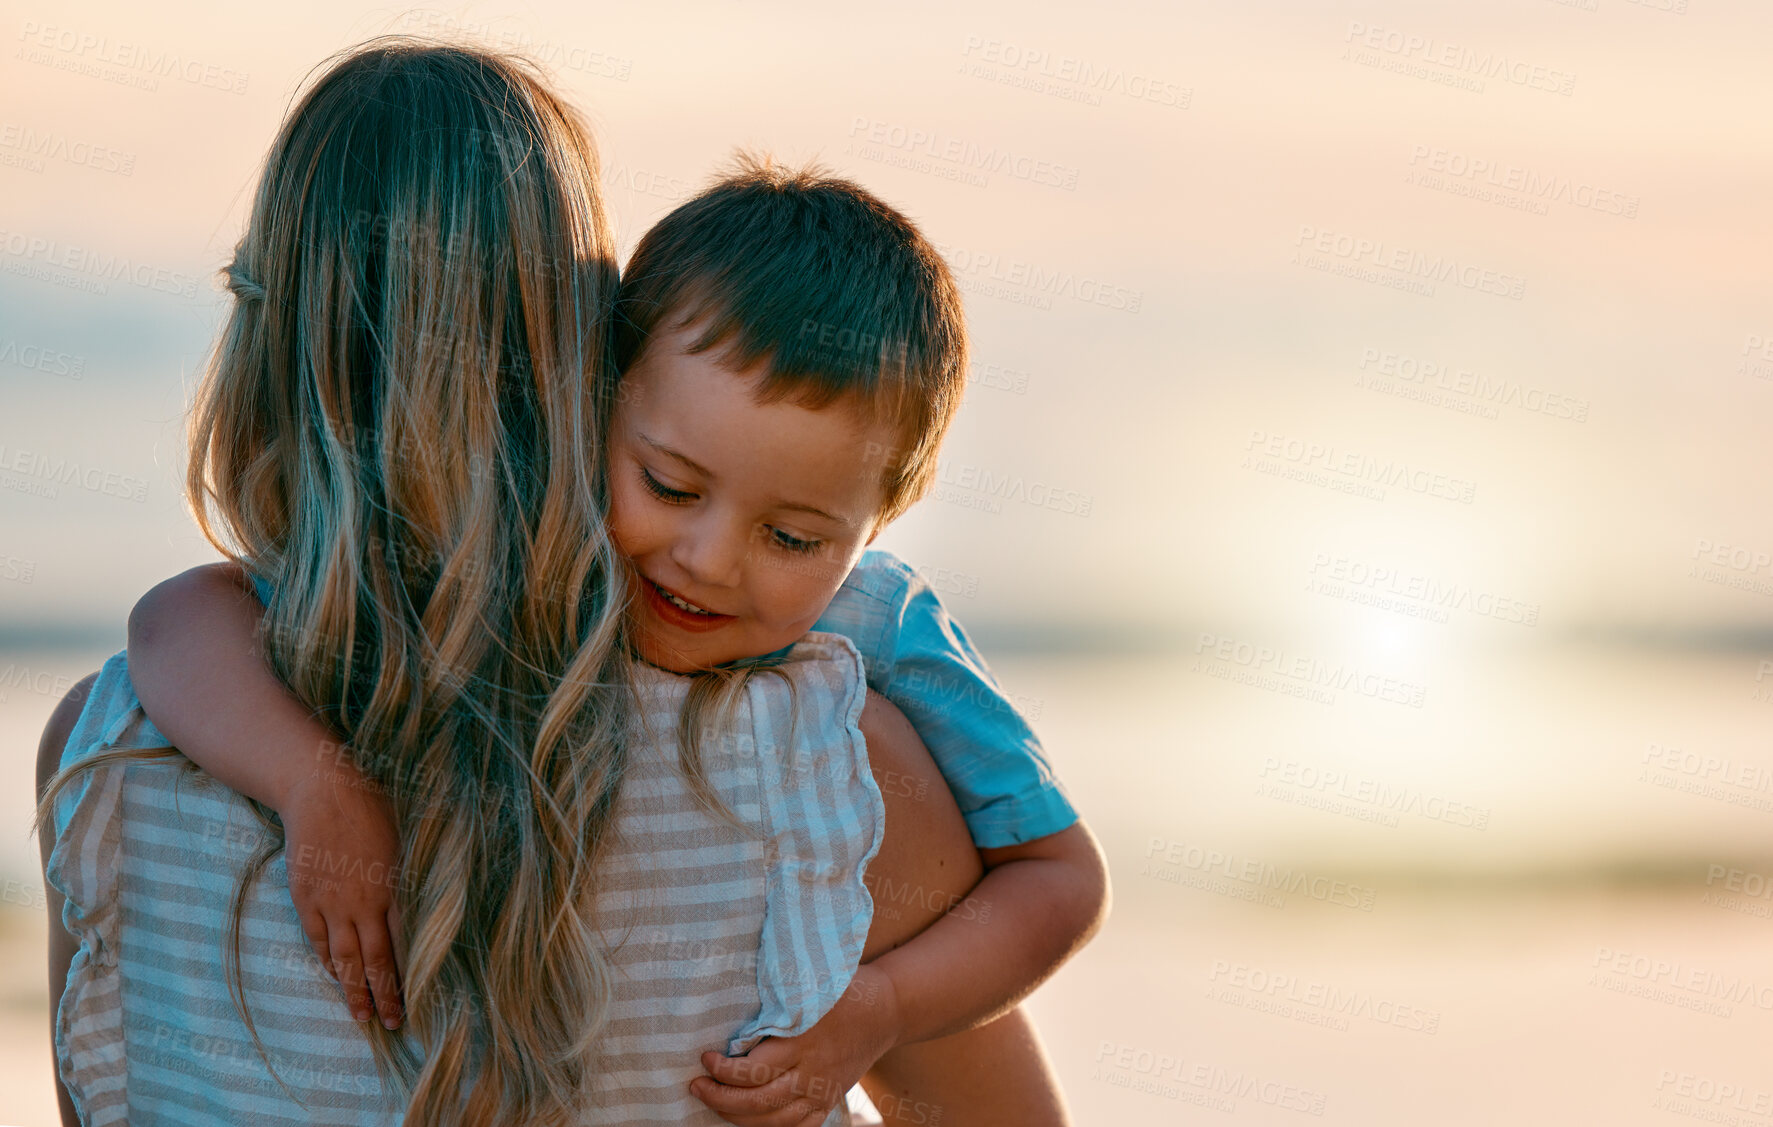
(1124, 193)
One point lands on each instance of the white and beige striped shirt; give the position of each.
(719, 935)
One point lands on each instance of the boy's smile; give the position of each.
(739, 520)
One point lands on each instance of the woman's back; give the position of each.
(718, 934)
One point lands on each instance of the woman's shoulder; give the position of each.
(60, 729)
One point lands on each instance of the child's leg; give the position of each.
(995, 1074)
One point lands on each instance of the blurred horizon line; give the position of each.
(1059, 636)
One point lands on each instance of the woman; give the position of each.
(398, 434)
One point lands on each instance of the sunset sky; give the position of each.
(1148, 213)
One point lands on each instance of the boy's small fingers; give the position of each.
(399, 939)
(740, 1072)
(314, 927)
(347, 967)
(378, 969)
(772, 1101)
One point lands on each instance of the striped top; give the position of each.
(718, 934)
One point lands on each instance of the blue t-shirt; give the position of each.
(919, 658)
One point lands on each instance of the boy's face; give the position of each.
(752, 514)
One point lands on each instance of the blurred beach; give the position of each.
(1501, 911)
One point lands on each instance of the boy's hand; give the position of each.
(796, 1081)
(343, 852)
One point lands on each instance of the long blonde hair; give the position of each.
(400, 431)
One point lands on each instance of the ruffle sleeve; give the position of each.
(83, 867)
(824, 821)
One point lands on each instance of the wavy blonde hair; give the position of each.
(400, 431)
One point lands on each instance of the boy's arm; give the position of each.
(197, 668)
(195, 662)
(1038, 903)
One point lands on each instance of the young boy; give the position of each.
(789, 354)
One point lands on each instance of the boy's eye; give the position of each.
(664, 492)
(794, 543)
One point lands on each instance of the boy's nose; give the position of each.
(710, 553)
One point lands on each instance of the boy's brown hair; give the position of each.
(832, 290)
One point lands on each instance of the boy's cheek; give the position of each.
(786, 606)
(629, 528)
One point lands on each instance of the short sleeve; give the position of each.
(823, 820)
(83, 867)
(978, 736)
